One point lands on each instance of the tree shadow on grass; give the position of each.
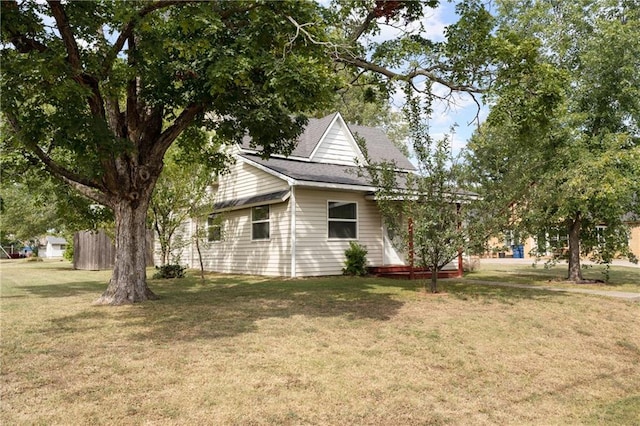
(64, 289)
(226, 307)
(80, 322)
(230, 308)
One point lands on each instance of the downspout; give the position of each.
(292, 206)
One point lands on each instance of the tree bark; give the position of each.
(128, 283)
(434, 280)
(197, 242)
(575, 270)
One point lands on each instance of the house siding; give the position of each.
(182, 246)
(54, 250)
(238, 254)
(336, 147)
(634, 239)
(316, 254)
(244, 180)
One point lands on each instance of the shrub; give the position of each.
(356, 260)
(68, 251)
(170, 271)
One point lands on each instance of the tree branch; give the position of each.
(127, 30)
(364, 26)
(62, 22)
(89, 188)
(22, 43)
(300, 28)
(89, 192)
(361, 63)
(172, 132)
(95, 101)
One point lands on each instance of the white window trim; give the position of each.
(268, 221)
(356, 220)
(219, 226)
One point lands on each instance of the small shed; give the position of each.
(94, 250)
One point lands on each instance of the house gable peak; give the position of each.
(337, 145)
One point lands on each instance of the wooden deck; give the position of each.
(403, 272)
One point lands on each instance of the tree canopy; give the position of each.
(561, 151)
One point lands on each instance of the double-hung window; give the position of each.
(214, 228)
(342, 219)
(260, 223)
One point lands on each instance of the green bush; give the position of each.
(170, 271)
(356, 260)
(68, 251)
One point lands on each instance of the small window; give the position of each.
(214, 228)
(260, 223)
(342, 219)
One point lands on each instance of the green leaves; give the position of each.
(429, 202)
(561, 139)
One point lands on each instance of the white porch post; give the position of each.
(292, 206)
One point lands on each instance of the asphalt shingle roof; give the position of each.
(379, 146)
(311, 172)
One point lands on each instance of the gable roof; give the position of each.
(55, 240)
(311, 136)
(378, 145)
(338, 145)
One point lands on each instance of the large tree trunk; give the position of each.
(128, 283)
(575, 270)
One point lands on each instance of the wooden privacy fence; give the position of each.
(94, 250)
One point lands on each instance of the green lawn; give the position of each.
(248, 350)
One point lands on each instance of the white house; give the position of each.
(53, 247)
(295, 216)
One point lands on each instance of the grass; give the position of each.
(250, 350)
(621, 278)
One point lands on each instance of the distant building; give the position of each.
(52, 247)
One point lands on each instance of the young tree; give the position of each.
(429, 203)
(568, 164)
(181, 192)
